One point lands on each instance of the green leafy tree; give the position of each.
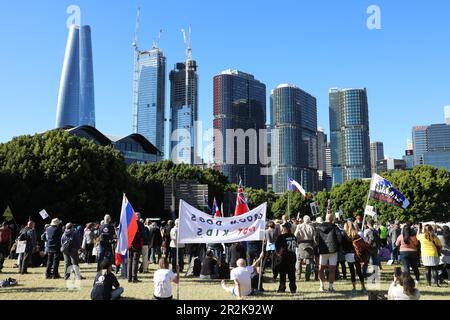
(293, 202)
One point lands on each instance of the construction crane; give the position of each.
(187, 43)
(136, 71)
(156, 42)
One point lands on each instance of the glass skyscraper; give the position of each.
(239, 103)
(350, 143)
(184, 112)
(295, 146)
(76, 103)
(376, 154)
(149, 96)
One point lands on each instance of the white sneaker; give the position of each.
(321, 289)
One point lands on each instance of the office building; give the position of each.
(376, 154)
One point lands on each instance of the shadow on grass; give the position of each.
(18, 289)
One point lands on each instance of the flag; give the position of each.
(369, 211)
(127, 230)
(241, 202)
(295, 186)
(215, 210)
(382, 190)
(8, 214)
(44, 214)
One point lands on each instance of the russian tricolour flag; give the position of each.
(295, 186)
(127, 230)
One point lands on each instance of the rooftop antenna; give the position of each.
(156, 42)
(187, 43)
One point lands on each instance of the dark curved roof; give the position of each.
(100, 137)
(147, 145)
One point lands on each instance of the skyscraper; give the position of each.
(239, 105)
(76, 103)
(324, 173)
(376, 154)
(184, 111)
(349, 125)
(150, 96)
(294, 116)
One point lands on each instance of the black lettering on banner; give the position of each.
(233, 222)
(225, 233)
(199, 231)
(193, 217)
(201, 219)
(209, 232)
(219, 223)
(250, 219)
(243, 220)
(209, 221)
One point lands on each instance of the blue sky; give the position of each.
(315, 45)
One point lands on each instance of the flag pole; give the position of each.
(262, 260)
(289, 204)
(367, 203)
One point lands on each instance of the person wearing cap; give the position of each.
(173, 248)
(53, 236)
(70, 244)
(104, 282)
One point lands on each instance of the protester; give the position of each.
(209, 268)
(53, 237)
(162, 280)
(173, 248)
(145, 246)
(70, 244)
(383, 232)
(253, 251)
(394, 233)
(5, 243)
(305, 235)
(408, 247)
(285, 247)
(27, 234)
(403, 288)
(242, 277)
(104, 282)
(166, 239)
(430, 248)
(135, 251)
(373, 240)
(155, 243)
(445, 257)
(350, 239)
(237, 251)
(270, 238)
(106, 236)
(88, 242)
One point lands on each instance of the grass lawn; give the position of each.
(34, 286)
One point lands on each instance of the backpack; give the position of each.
(361, 249)
(376, 242)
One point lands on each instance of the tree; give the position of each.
(72, 178)
(256, 197)
(297, 205)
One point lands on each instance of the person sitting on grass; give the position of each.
(104, 282)
(403, 288)
(209, 266)
(162, 280)
(242, 276)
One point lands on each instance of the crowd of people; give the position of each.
(321, 251)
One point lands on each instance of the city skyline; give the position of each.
(382, 101)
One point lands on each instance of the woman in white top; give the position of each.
(403, 289)
(162, 280)
(173, 248)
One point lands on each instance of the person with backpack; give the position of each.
(5, 243)
(135, 251)
(373, 240)
(356, 252)
(53, 237)
(27, 234)
(328, 241)
(70, 244)
(408, 247)
(104, 282)
(106, 235)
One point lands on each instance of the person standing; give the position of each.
(135, 251)
(408, 247)
(445, 257)
(430, 248)
(328, 239)
(53, 237)
(88, 242)
(349, 237)
(106, 236)
(285, 247)
(173, 248)
(70, 244)
(145, 246)
(305, 234)
(27, 234)
(373, 240)
(5, 242)
(155, 243)
(394, 233)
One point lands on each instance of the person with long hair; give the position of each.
(403, 288)
(351, 234)
(408, 247)
(430, 247)
(445, 252)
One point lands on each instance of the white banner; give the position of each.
(199, 227)
(370, 211)
(44, 214)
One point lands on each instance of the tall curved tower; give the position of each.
(76, 104)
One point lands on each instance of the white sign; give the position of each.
(44, 214)
(315, 210)
(370, 211)
(21, 246)
(198, 227)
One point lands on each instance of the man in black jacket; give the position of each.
(27, 234)
(285, 247)
(52, 237)
(106, 235)
(155, 242)
(70, 244)
(328, 240)
(135, 251)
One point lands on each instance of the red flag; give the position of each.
(241, 202)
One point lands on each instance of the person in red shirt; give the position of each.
(5, 243)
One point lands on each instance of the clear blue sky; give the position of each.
(315, 45)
